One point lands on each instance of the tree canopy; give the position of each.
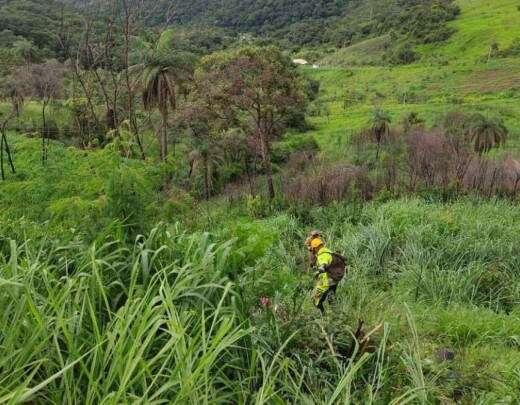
(312, 22)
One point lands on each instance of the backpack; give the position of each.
(337, 268)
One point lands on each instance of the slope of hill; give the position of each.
(45, 23)
(312, 22)
(481, 24)
(336, 22)
(457, 75)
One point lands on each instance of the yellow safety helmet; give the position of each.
(313, 235)
(316, 243)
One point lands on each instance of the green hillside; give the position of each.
(306, 23)
(456, 75)
(37, 28)
(480, 24)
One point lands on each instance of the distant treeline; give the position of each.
(315, 22)
(51, 25)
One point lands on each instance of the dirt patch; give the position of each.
(490, 81)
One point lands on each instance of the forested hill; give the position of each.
(314, 22)
(44, 27)
(259, 15)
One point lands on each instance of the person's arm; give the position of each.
(323, 262)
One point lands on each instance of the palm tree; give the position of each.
(380, 128)
(486, 133)
(4, 145)
(163, 75)
(206, 136)
(205, 158)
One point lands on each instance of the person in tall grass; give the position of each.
(329, 269)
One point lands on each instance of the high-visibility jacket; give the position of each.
(323, 258)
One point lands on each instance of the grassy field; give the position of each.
(415, 88)
(177, 316)
(77, 192)
(452, 76)
(481, 24)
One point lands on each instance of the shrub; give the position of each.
(283, 150)
(408, 97)
(252, 239)
(76, 212)
(435, 160)
(440, 34)
(491, 177)
(411, 120)
(318, 108)
(257, 206)
(403, 54)
(352, 97)
(178, 206)
(299, 162)
(329, 184)
(428, 158)
(312, 89)
(445, 160)
(126, 199)
(296, 119)
(454, 123)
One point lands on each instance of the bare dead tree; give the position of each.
(4, 145)
(102, 67)
(79, 72)
(100, 53)
(46, 84)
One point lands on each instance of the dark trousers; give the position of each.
(332, 290)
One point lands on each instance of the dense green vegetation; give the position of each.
(37, 29)
(312, 23)
(184, 307)
(151, 232)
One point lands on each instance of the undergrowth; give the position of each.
(178, 316)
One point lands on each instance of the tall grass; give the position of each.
(176, 317)
(156, 323)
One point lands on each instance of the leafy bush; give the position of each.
(73, 211)
(177, 207)
(403, 54)
(257, 206)
(252, 241)
(318, 108)
(313, 89)
(283, 150)
(127, 199)
(353, 97)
